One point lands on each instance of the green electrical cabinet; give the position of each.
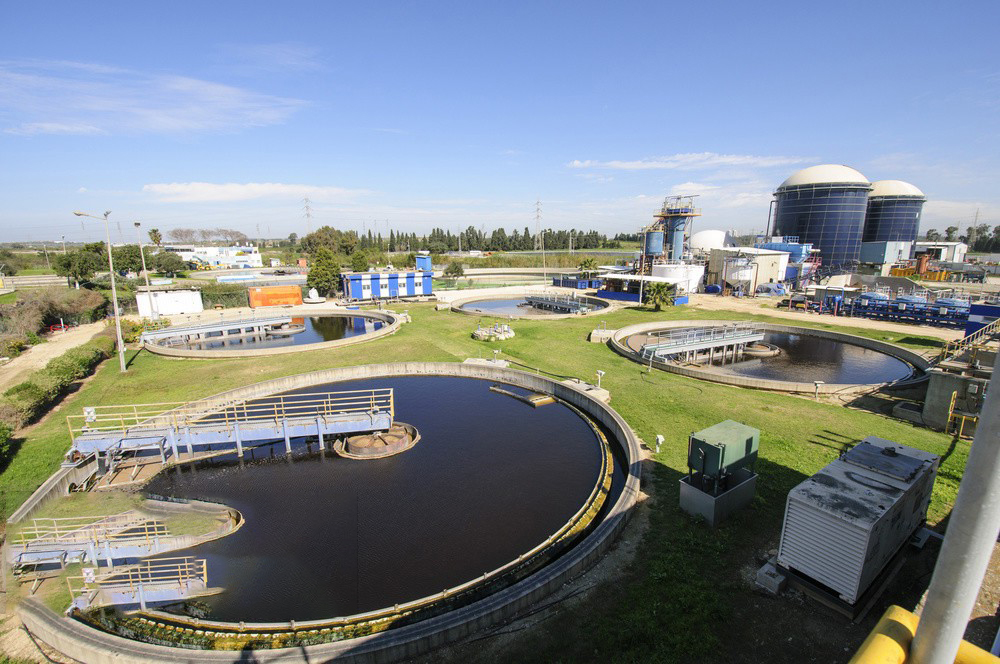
(720, 450)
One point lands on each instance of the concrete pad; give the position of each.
(771, 579)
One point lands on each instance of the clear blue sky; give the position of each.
(205, 114)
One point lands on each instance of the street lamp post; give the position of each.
(145, 272)
(114, 289)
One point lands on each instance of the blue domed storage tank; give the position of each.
(825, 206)
(654, 243)
(893, 214)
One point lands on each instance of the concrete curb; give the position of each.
(617, 343)
(456, 306)
(91, 645)
(394, 322)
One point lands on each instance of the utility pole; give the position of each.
(64, 244)
(46, 250)
(309, 215)
(114, 289)
(541, 237)
(145, 272)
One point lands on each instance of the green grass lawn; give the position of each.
(8, 298)
(678, 594)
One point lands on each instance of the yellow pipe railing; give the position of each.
(889, 642)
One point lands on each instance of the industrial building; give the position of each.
(380, 285)
(664, 254)
(745, 269)
(952, 252)
(825, 206)
(234, 257)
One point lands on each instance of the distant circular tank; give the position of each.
(825, 206)
(893, 213)
(654, 243)
(708, 240)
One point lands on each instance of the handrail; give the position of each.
(953, 348)
(124, 527)
(175, 416)
(159, 571)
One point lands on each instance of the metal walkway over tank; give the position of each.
(562, 303)
(58, 541)
(689, 341)
(158, 581)
(215, 331)
(220, 425)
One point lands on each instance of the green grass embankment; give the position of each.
(679, 593)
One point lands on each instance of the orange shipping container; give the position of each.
(275, 296)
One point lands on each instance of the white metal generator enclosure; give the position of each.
(846, 522)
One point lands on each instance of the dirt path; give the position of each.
(765, 307)
(38, 356)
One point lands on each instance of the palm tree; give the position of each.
(155, 237)
(660, 295)
(588, 266)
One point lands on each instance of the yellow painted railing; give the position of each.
(980, 336)
(889, 642)
(160, 571)
(177, 415)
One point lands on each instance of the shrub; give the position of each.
(11, 345)
(26, 401)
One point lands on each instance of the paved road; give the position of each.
(36, 357)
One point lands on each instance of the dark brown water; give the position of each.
(491, 478)
(317, 329)
(805, 358)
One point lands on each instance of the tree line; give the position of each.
(981, 238)
(439, 240)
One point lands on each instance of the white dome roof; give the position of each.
(894, 188)
(823, 174)
(709, 239)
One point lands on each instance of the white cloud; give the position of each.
(691, 161)
(941, 214)
(32, 128)
(209, 192)
(691, 189)
(278, 57)
(67, 97)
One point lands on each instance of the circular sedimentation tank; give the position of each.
(302, 333)
(518, 306)
(840, 363)
(499, 504)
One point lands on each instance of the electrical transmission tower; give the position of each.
(309, 215)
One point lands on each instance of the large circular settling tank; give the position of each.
(526, 306)
(806, 358)
(325, 536)
(302, 331)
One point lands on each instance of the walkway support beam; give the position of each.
(968, 545)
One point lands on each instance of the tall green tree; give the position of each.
(155, 237)
(80, 264)
(951, 233)
(359, 261)
(588, 266)
(454, 270)
(324, 273)
(660, 295)
(168, 263)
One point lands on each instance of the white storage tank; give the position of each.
(710, 239)
(845, 523)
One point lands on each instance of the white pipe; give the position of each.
(967, 548)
